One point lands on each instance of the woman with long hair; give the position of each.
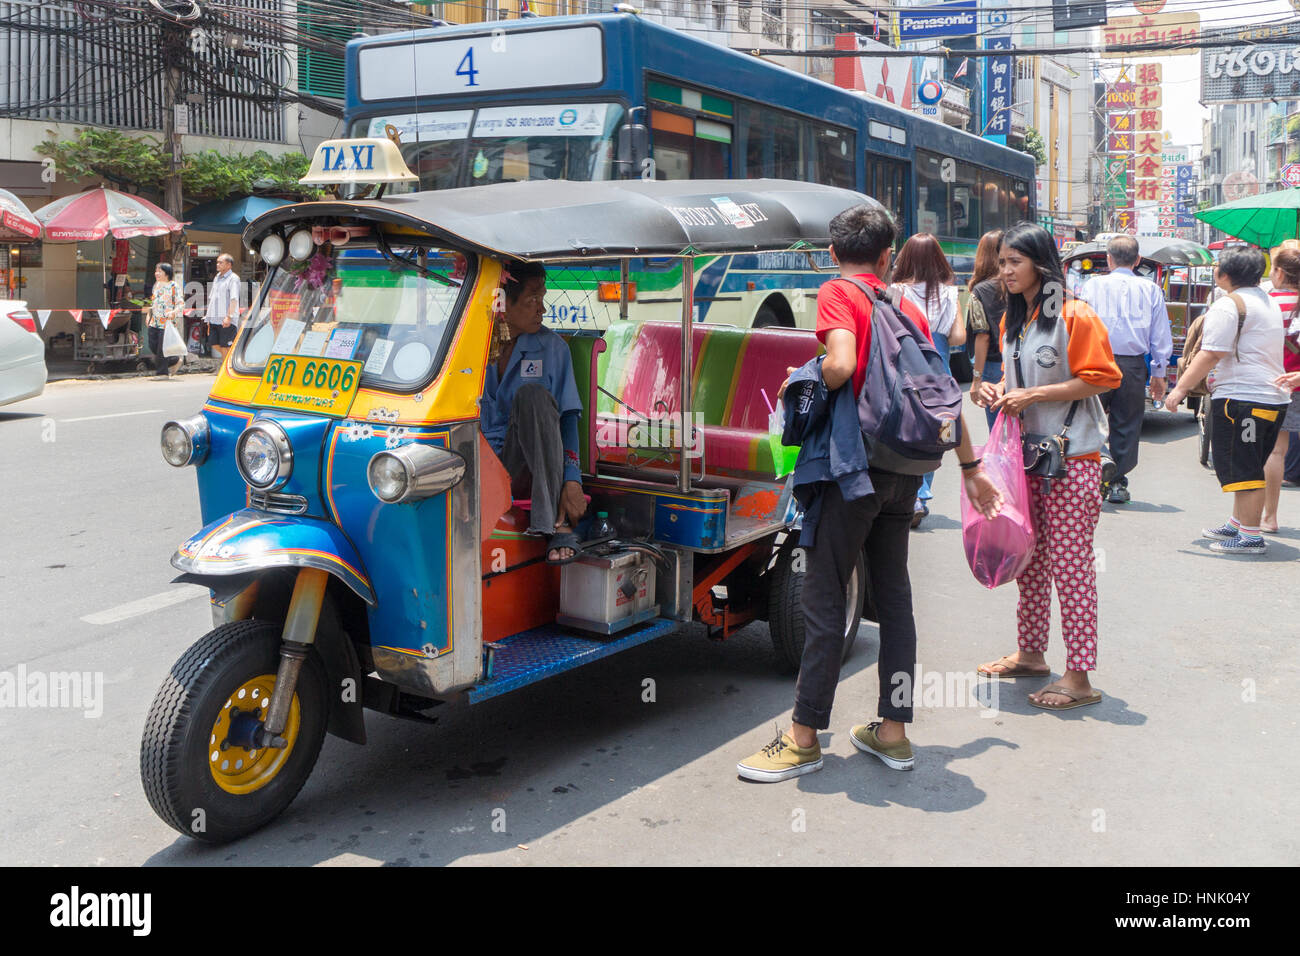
(1286, 293)
(988, 302)
(925, 276)
(1058, 360)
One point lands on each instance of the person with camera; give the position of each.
(1057, 362)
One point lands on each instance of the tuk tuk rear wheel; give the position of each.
(785, 619)
(196, 775)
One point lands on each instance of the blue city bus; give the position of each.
(615, 96)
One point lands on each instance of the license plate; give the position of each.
(299, 383)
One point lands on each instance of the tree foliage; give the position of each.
(1035, 146)
(139, 164)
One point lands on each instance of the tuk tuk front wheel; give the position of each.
(785, 617)
(201, 769)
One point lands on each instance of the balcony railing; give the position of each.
(773, 28)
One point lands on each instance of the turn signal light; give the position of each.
(609, 291)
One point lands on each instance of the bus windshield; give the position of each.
(393, 310)
(502, 144)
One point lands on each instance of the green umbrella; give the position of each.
(1264, 220)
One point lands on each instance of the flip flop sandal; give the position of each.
(1012, 669)
(564, 539)
(1076, 700)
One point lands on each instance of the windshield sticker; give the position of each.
(313, 343)
(733, 213)
(378, 359)
(572, 119)
(480, 165)
(422, 127)
(288, 337)
(342, 343)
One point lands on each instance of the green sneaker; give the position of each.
(898, 756)
(780, 760)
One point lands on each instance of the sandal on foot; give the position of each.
(561, 540)
(1011, 669)
(1076, 700)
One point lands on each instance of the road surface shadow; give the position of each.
(1164, 427)
(933, 787)
(1146, 507)
(1109, 710)
(18, 416)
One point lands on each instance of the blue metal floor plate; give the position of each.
(546, 651)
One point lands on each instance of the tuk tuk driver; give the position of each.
(529, 414)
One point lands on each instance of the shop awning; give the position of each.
(230, 215)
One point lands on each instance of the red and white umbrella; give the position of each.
(16, 219)
(97, 212)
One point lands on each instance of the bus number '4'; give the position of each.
(466, 67)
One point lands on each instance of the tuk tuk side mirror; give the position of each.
(633, 148)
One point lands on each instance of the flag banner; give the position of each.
(42, 316)
(76, 315)
(105, 316)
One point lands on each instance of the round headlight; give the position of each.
(264, 456)
(272, 250)
(185, 442)
(388, 478)
(300, 244)
(176, 445)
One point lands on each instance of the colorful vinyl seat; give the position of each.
(641, 372)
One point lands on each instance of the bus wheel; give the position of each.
(774, 311)
(785, 618)
(202, 771)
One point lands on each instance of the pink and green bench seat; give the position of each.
(641, 364)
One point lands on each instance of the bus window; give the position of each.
(686, 148)
(834, 152)
(773, 144)
(516, 143)
(947, 199)
(887, 184)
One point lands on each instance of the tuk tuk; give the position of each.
(359, 538)
(1184, 270)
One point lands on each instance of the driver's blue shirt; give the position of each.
(539, 358)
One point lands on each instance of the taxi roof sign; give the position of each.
(357, 161)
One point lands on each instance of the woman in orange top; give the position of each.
(1057, 357)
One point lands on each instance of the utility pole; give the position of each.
(173, 200)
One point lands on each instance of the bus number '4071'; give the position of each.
(560, 314)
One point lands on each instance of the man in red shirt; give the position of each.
(862, 240)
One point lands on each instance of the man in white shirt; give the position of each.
(1242, 352)
(1137, 320)
(222, 316)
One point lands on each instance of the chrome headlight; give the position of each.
(264, 455)
(185, 442)
(413, 472)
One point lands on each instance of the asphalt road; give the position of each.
(1190, 759)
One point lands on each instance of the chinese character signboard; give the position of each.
(997, 91)
(1166, 30)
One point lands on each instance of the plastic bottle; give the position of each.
(602, 528)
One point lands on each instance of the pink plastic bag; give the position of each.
(1000, 549)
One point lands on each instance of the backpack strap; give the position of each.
(892, 300)
(1240, 303)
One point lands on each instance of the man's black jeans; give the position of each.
(880, 523)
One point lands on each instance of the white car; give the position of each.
(22, 353)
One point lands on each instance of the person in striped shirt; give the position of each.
(1137, 320)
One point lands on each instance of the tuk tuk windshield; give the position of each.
(393, 311)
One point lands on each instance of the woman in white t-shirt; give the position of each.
(1242, 357)
(924, 274)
